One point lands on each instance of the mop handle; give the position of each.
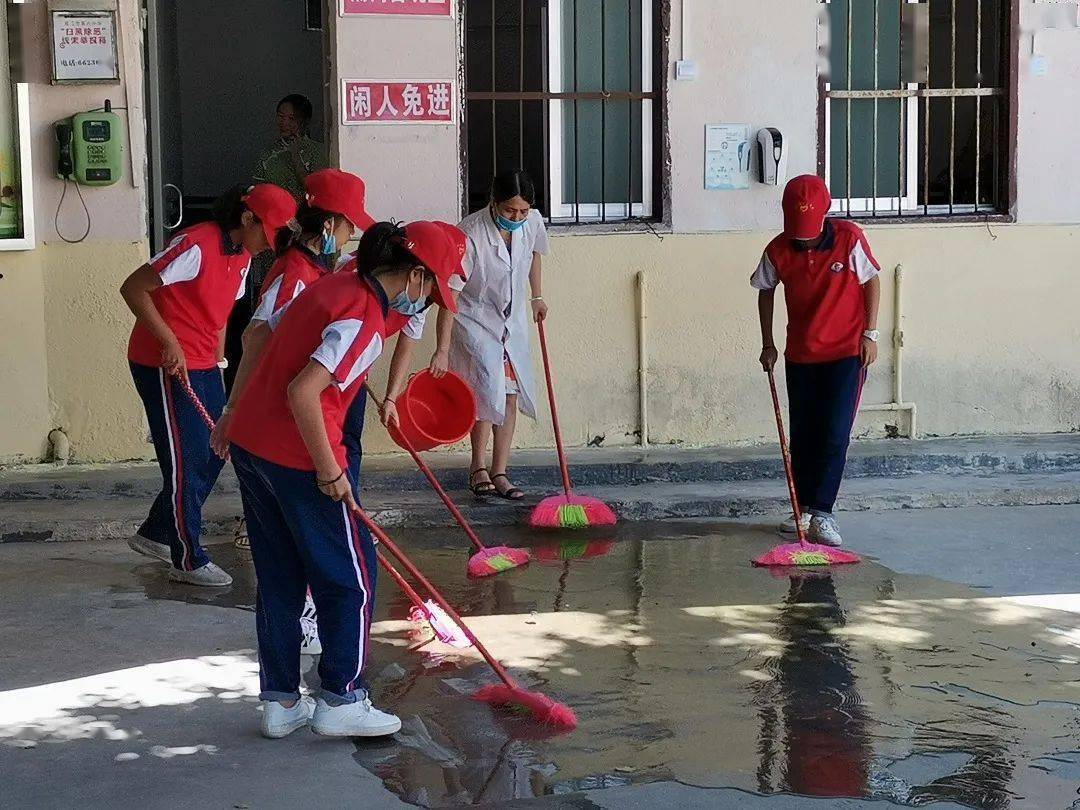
(404, 440)
(399, 555)
(787, 458)
(402, 583)
(554, 411)
(205, 414)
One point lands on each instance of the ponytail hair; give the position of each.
(382, 250)
(307, 224)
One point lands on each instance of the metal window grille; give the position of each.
(565, 90)
(915, 107)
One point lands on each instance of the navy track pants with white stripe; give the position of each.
(189, 468)
(301, 538)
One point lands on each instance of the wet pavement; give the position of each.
(949, 678)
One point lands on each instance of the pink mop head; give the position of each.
(554, 715)
(495, 560)
(806, 554)
(571, 512)
(442, 625)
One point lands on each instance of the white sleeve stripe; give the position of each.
(275, 318)
(863, 266)
(764, 276)
(299, 288)
(159, 256)
(363, 362)
(337, 339)
(414, 327)
(266, 304)
(184, 267)
(243, 280)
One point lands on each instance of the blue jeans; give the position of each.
(189, 468)
(823, 399)
(301, 538)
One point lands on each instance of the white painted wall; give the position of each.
(411, 171)
(1047, 158)
(748, 73)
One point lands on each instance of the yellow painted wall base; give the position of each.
(991, 337)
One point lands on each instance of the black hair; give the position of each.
(513, 183)
(382, 250)
(229, 208)
(308, 223)
(302, 105)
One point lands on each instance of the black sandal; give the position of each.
(512, 494)
(481, 488)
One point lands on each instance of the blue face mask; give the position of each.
(407, 307)
(508, 224)
(329, 243)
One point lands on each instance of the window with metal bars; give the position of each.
(915, 107)
(565, 90)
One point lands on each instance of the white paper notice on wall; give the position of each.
(727, 157)
(84, 46)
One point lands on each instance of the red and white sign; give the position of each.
(420, 102)
(420, 8)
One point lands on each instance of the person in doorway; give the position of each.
(287, 448)
(332, 213)
(181, 300)
(286, 164)
(294, 155)
(832, 291)
(487, 344)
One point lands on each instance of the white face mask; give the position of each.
(405, 305)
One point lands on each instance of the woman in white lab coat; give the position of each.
(488, 343)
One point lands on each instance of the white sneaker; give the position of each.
(823, 530)
(209, 575)
(788, 528)
(359, 719)
(278, 722)
(150, 548)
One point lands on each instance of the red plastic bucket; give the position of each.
(434, 412)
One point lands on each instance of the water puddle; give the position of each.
(684, 663)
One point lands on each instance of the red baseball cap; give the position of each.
(806, 204)
(339, 192)
(432, 244)
(460, 240)
(274, 207)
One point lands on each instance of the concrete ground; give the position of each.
(940, 672)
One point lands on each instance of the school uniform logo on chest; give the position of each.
(837, 267)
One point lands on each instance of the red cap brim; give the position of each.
(271, 235)
(362, 220)
(443, 295)
(803, 227)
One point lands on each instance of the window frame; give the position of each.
(22, 154)
(565, 213)
(954, 213)
(656, 178)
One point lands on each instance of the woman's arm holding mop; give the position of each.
(305, 392)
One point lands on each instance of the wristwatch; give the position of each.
(872, 335)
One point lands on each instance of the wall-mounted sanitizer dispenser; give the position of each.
(772, 155)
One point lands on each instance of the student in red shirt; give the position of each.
(290, 458)
(181, 300)
(832, 290)
(334, 210)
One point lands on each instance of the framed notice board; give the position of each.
(83, 46)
